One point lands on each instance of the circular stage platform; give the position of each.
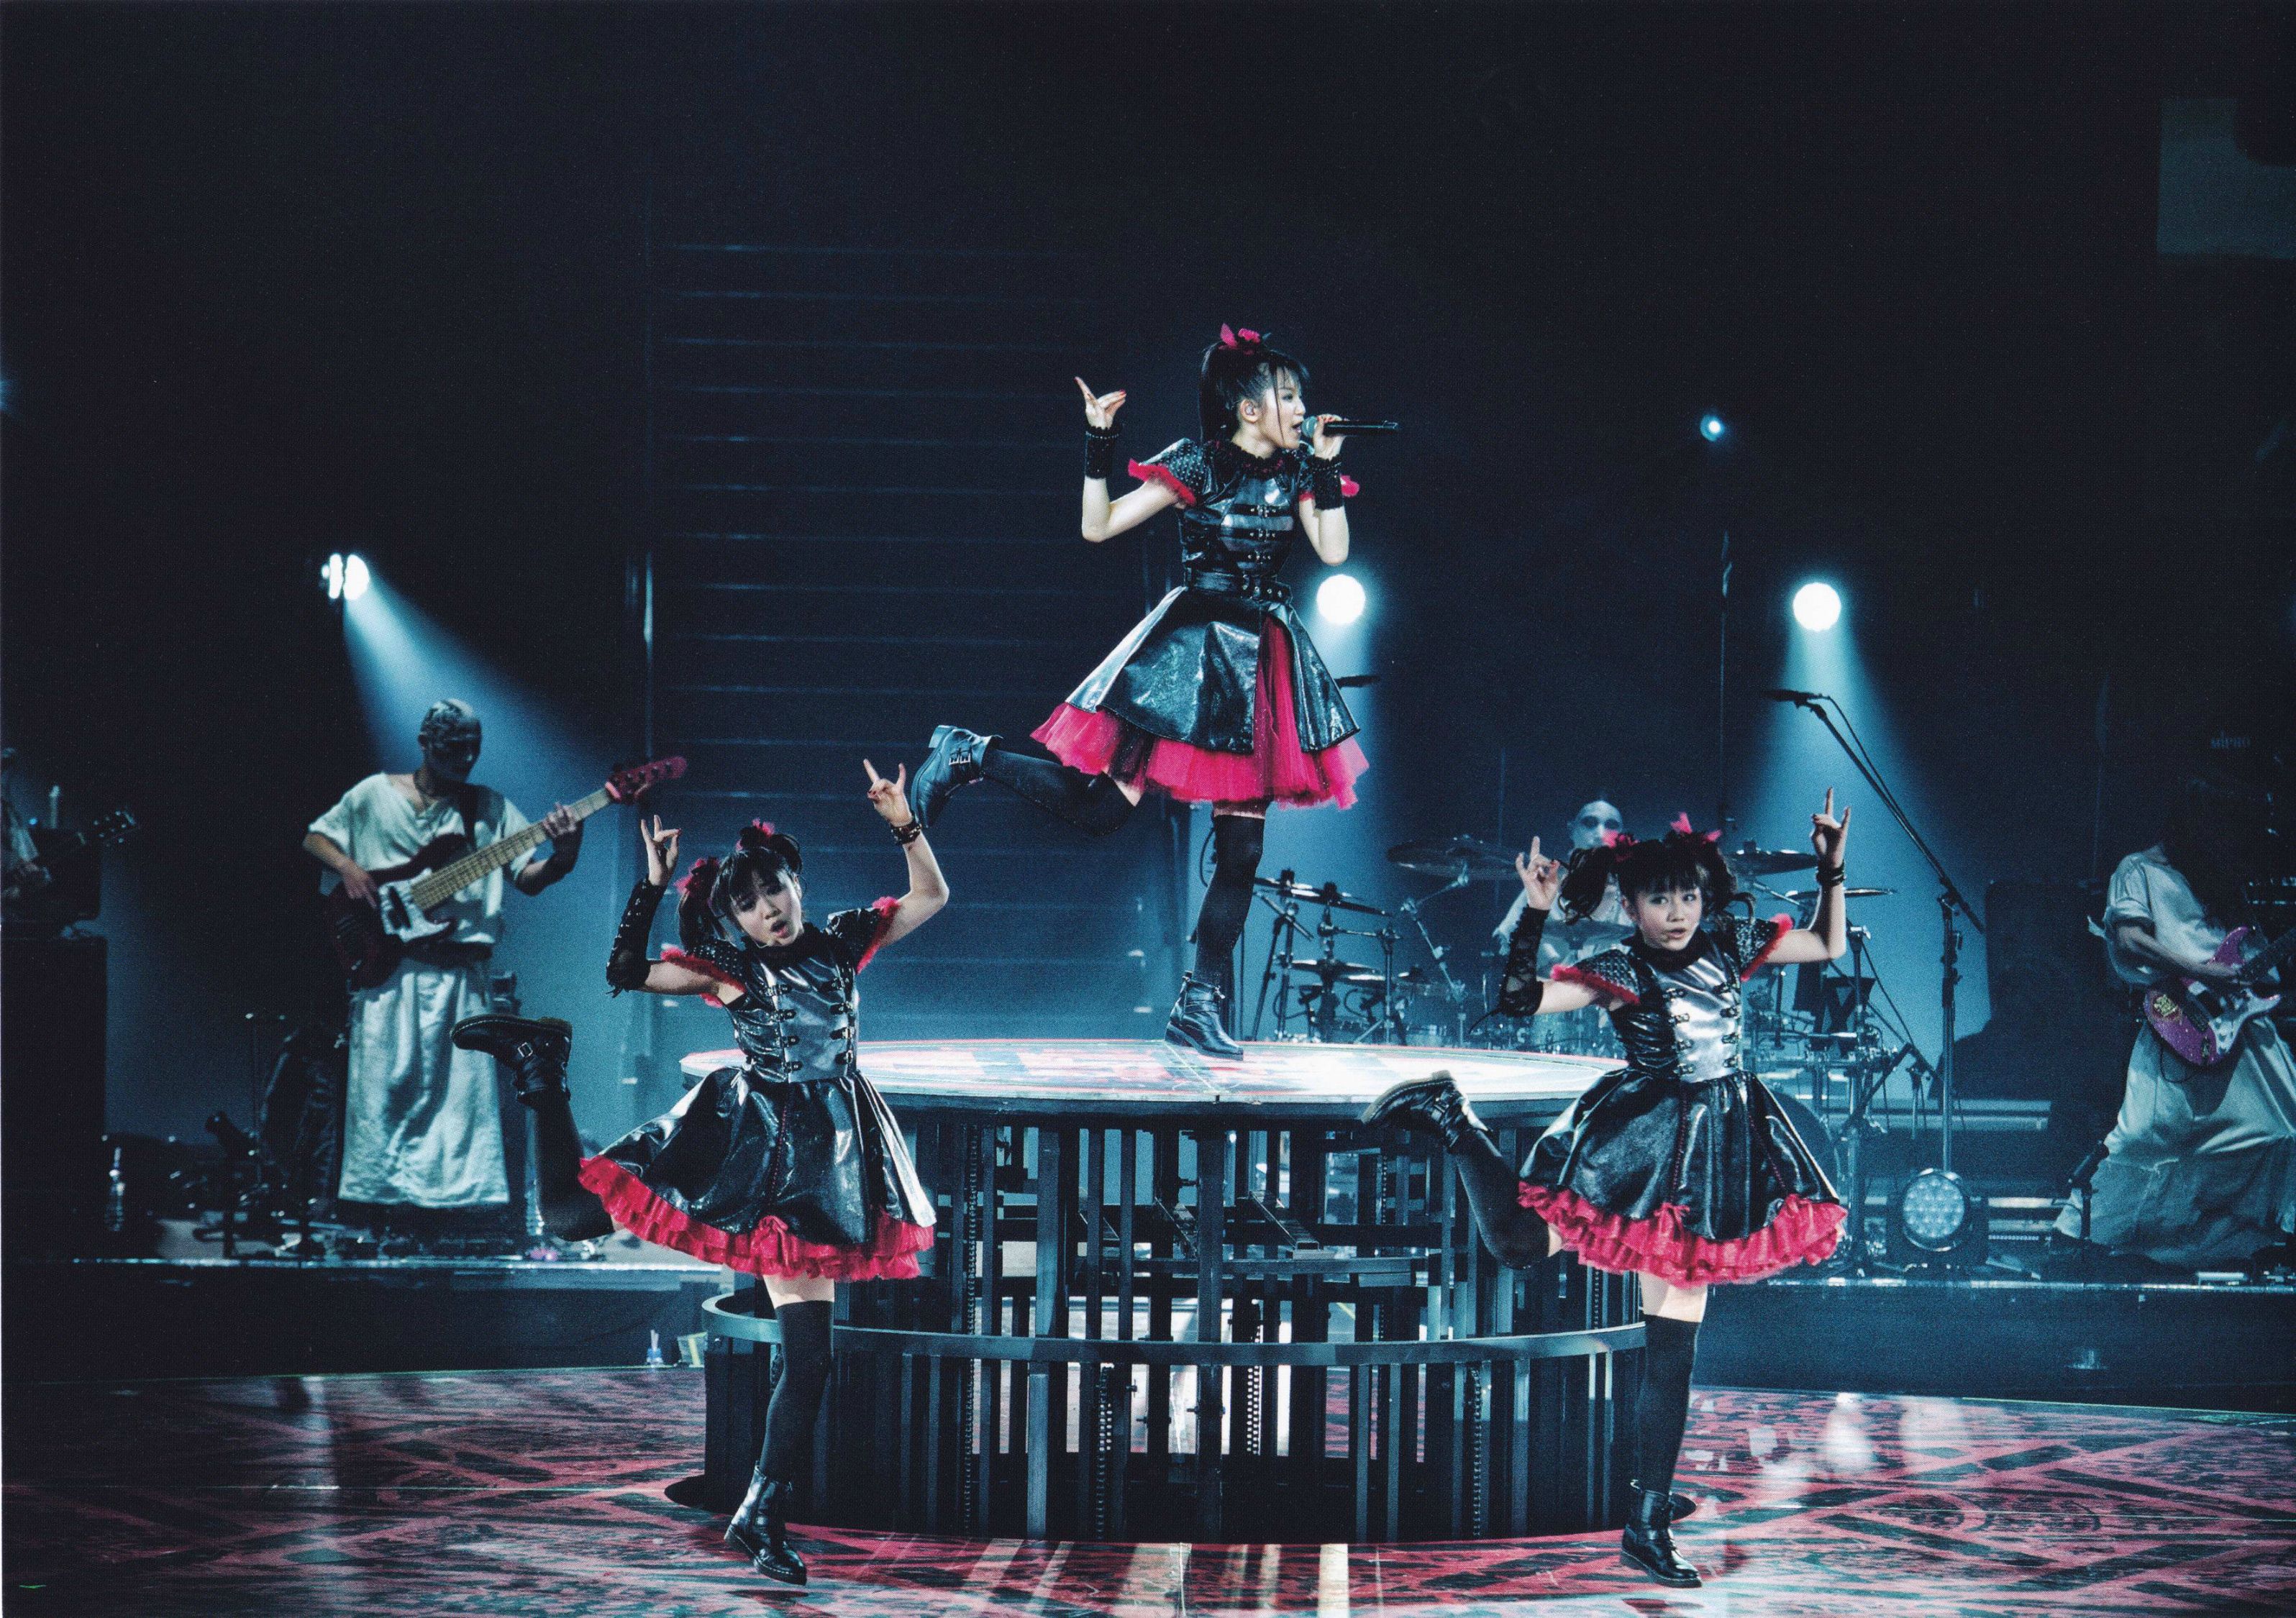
(1113, 1078)
(1199, 1299)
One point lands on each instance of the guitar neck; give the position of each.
(444, 883)
(2265, 960)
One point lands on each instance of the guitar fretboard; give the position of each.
(443, 884)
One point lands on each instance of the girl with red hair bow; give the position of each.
(1680, 1167)
(1218, 696)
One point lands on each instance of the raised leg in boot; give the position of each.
(1515, 1235)
(759, 1528)
(535, 1049)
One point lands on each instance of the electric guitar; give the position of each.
(370, 940)
(59, 852)
(2200, 1021)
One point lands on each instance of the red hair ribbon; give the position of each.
(1618, 839)
(1245, 338)
(765, 826)
(1681, 823)
(704, 872)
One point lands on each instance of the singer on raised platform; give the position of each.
(1218, 696)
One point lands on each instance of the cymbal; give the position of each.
(1799, 894)
(1338, 971)
(1771, 862)
(1328, 895)
(1454, 857)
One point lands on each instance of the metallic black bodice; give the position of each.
(1236, 537)
(796, 1020)
(1189, 671)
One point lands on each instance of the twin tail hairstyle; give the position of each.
(1683, 859)
(763, 860)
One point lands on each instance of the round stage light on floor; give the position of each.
(1710, 428)
(1340, 598)
(356, 577)
(331, 576)
(1940, 1220)
(1817, 606)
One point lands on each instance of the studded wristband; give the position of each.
(1099, 452)
(1324, 483)
(908, 831)
(1831, 876)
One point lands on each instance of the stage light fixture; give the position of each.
(1940, 1220)
(1710, 428)
(1340, 598)
(1818, 606)
(356, 577)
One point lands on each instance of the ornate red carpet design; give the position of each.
(540, 1493)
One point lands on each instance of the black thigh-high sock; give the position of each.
(797, 1394)
(570, 1211)
(1515, 1235)
(1090, 803)
(1663, 1409)
(1237, 841)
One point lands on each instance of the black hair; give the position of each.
(764, 861)
(2215, 838)
(1236, 373)
(1678, 859)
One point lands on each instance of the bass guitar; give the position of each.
(2199, 1020)
(371, 940)
(59, 852)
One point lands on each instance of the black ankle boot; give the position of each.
(1196, 1020)
(758, 1531)
(1432, 1104)
(1646, 1544)
(534, 1048)
(954, 761)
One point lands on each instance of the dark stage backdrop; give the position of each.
(284, 280)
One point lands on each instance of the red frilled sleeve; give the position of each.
(860, 933)
(1183, 468)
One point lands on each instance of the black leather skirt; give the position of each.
(1691, 1182)
(777, 1179)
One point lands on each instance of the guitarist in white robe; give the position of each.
(421, 1124)
(2201, 1166)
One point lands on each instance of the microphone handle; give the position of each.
(1343, 426)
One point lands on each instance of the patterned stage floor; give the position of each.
(540, 1493)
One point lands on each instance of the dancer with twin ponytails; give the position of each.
(788, 1165)
(1680, 1168)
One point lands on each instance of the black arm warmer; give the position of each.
(1099, 452)
(626, 966)
(1323, 483)
(1521, 989)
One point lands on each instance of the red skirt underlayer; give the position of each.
(1802, 1233)
(1277, 769)
(768, 1250)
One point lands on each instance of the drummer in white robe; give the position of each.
(2201, 1166)
(423, 1125)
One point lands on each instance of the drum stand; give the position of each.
(1438, 953)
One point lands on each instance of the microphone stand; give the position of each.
(1950, 903)
(1435, 952)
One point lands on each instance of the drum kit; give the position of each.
(1316, 984)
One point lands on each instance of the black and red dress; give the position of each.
(789, 1164)
(1218, 695)
(1681, 1164)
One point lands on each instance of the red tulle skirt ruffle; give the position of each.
(1277, 769)
(770, 1249)
(1802, 1233)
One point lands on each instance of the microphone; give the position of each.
(2089, 1164)
(1798, 699)
(1345, 427)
